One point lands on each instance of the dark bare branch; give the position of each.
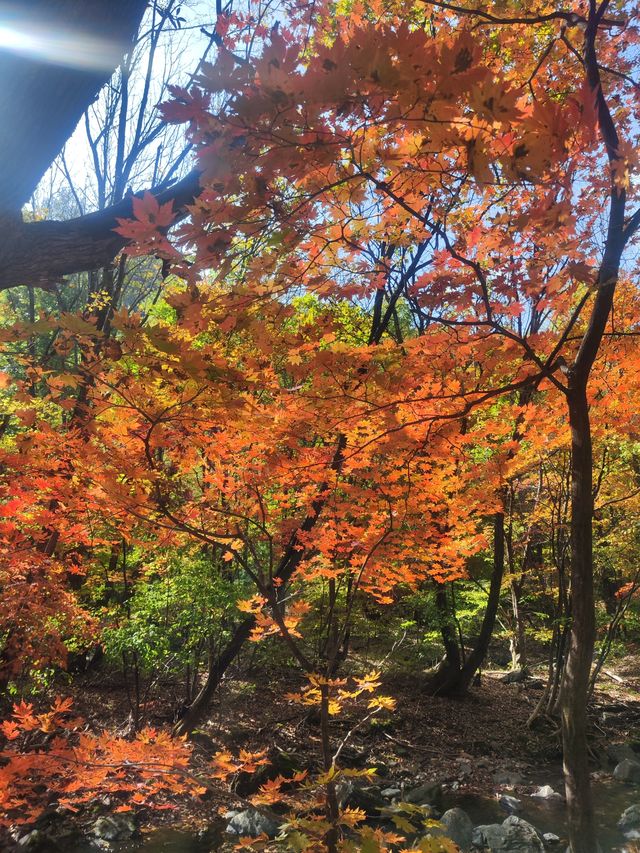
(560, 15)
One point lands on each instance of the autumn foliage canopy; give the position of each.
(364, 341)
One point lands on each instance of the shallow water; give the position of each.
(161, 840)
(611, 798)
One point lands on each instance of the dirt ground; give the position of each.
(465, 743)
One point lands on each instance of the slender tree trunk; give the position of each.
(449, 668)
(518, 639)
(553, 705)
(481, 647)
(217, 668)
(453, 651)
(575, 686)
(458, 681)
(289, 562)
(332, 809)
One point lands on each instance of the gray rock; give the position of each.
(630, 819)
(458, 827)
(507, 777)
(369, 798)
(251, 822)
(203, 742)
(546, 792)
(435, 829)
(518, 828)
(627, 771)
(489, 836)
(618, 752)
(391, 793)
(465, 768)
(550, 838)
(515, 676)
(429, 793)
(509, 804)
(279, 763)
(344, 789)
(114, 828)
(36, 840)
(513, 835)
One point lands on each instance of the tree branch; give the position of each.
(41, 253)
(569, 17)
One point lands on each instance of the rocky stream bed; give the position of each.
(493, 782)
(520, 815)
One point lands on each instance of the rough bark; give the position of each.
(46, 92)
(453, 654)
(479, 652)
(217, 669)
(449, 667)
(41, 253)
(45, 95)
(575, 684)
(517, 642)
(582, 637)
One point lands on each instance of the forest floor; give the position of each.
(470, 745)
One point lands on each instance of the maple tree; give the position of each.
(289, 142)
(49, 757)
(389, 309)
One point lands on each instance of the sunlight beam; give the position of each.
(25, 36)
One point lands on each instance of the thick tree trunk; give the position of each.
(575, 683)
(41, 253)
(78, 44)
